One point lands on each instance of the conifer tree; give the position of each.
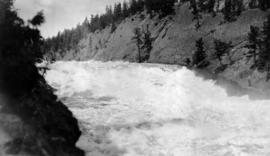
(144, 42)
(113, 27)
(109, 15)
(206, 6)
(117, 12)
(222, 48)
(125, 9)
(253, 4)
(196, 13)
(38, 19)
(199, 56)
(147, 44)
(138, 39)
(167, 7)
(228, 11)
(239, 7)
(133, 7)
(211, 6)
(253, 43)
(264, 54)
(162, 7)
(85, 26)
(232, 9)
(264, 4)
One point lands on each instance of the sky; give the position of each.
(61, 14)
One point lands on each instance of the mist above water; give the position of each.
(148, 110)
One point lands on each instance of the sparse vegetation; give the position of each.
(144, 43)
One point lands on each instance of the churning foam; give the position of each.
(158, 110)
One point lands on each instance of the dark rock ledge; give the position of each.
(38, 125)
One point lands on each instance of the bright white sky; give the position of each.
(61, 14)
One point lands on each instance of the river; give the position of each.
(129, 109)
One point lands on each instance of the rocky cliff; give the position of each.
(32, 121)
(174, 42)
(37, 124)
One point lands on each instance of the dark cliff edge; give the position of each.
(39, 125)
(32, 121)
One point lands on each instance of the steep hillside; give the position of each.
(174, 41)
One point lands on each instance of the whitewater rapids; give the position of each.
(128, 109)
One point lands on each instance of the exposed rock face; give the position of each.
(38, 125)
(174, 42)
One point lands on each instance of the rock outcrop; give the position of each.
(37, 125)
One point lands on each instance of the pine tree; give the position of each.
(146, 45)
(253, 43)
(196, 13)
(167, 7)
(108, 16)
(113, 27)
(138, 39)
(222, 48)
(239, 7)
(232, 9)
(85, 26)
(263, 63)
(91, 23)
(253, 4)
(38, 19)
(125, 12)
(117, 13)
(264, 4)
(133, 7)
(144, 42)
(103, 22)
(228, 11)
(205, 6)
(264, 54)
(211, 6)
(140, 5)
(199, 56)
(162, 7)
(150, 6)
